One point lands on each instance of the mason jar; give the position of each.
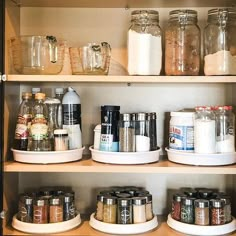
(144, 43)
(182, 43)
(220, 42)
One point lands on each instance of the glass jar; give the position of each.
(217, 213)
(139, 210)
(55, 210)
(176, 206)
(220, 42)
(61, 140)
(227, 207)
(69, 211)
(25, 209)
(225, 129)
(124, 211)
(99, 210)
(182, 43)
(201, 212)
(151, 129)
(144, 43)
(187, 210)
(40, 211)
(126, 134)
(109, 209)
(204, 130)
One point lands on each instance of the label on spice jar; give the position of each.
(107, 144)
(181, 138)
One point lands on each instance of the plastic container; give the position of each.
(181, 132)
(97, 137)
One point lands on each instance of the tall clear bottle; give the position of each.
(23, 123)
(39, 126)
(59, 92)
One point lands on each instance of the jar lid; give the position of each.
(188, 201)
(201, 203)
(140, 116)
(138, 192)
(123, 195)
(204, 108)
(52, 101)
(221, 13)
(68, 197)
(144, 15)
(133, 116)
(182, 114)
(46, 192)
(55, 201)
(181, 14)
(148, 197)
(109, 200)
(125, 117)
(191, 193)
(124, 201)
(226, 199)
(40, 96)
(63, 132)
(151, 116)
(217, 203)
(110, 108)
(41, 202)
(28, 200)
(59, 90)
(178, 197)
(35, 90)
(139, 200)
(26, 95)
(223, 108)
(205, 193)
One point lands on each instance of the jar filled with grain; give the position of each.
(182, 43)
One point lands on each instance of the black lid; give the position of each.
(151, 116)
(68, 197)
(124, 195)
(141, 192)
(191, 192)
(110, 108)
(205, 193)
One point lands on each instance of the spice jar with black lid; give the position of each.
(124, 211)
(69, 211)
(191, 193)
(217, 213)
(176, 206)
(201, 212)
(109, 209)
(205, 193)
(40, 211)
(187, 210)
(25, 209)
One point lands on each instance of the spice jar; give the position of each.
(40, 211)
(201, 212)
(151, 129)
(205, 193)
(187, 210)
(227, 207)
(55, 210)
(176, 206)
(139, 210)
(220, 42)
(124, 211)
(144, 43)
(69, 211)
(149, 211)
(109, 209)
(204, 130)
(25, 209)
(126, 134)
(61, 140)
(182, 43)
(217, 214)
(99, 210)
(225, 129)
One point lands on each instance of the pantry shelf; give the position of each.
(120, 79)
(90, 166)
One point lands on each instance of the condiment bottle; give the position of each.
(25, 209)
(182, 43)
(227, 207)
(139, 210)
(23, 123)
(59, 92)
(55, 210)
(144, 43)
(201, 212)
(40, 211)
(204, 130)
(148, 207)
(126, 133)
(217, 213)
(151, 129)
(124, 211)
(220, 42)
(61, 140)
(109, 209)
(176, 206)
(225, 129)
(69, 211)
(187, 210)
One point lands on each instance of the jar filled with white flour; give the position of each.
(204, 130)
(144, 43)
(181, 131)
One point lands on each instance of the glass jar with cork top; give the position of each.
(182, 43)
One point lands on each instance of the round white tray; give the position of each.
(125, 157)
(201, 230)
(191, 158)
(46, 228)
(47, 157)
(123, 229)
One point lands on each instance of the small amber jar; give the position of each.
(109, 209)
(40, 211)
(56, 210)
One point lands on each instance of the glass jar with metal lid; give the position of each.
(187, 210)
(109, 209)
(217, 213)
(139, 210)
(201, 212)
(124, 211)
(40, 211)
(144, 43)
(182, 43)
(220, 42)
(56, 210)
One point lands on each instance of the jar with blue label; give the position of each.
(181, 132)
(109, 128)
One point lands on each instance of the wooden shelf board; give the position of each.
(121, 79)
(90, 166)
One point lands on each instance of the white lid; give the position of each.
(36, 90)
(71, 97)
(98, 127)
(52, 101)
(60, 131)
(182, 114)
(59, 90)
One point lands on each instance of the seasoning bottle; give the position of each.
(139, 210)
(99, 210)
(142, 141)
(225, 129)
(126, 133)
(124, 211)
(217, 214)
(25, 209)
(182, 43)
(109, 209)
(227, 207)
(201, 212)
(59, 92)
(204, 130)
(61, 140)
(55, 210)
(148, 207)
(220, 42)
(144, 43)
(151, 129)
(40, 211)
(69, 211)
(109, 128)
(176, 206)
(187, 210)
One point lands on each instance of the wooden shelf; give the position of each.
(90, 166)
(120, 79)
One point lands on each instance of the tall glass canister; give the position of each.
(182, 43)
(220, 42)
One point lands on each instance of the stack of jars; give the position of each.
(124, 205)
(127, 132)
(201, 207)
(46, 206)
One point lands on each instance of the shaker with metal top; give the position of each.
(151, 129)
(124, 211)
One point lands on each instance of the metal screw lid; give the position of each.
(188, 201)
(148, 197)
(68, 197)
(110, 200)
(110, 108)
(123, 195)
(179, 14)
(178, 197)
(140, 116)
(139, 201)
(217, 203)
(59, 90)
(41, 202)
(124, 201)
(201, 203)
(26, 95)
(205, 193)
(55, 201)
(125, 117)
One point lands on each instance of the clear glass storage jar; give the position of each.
(182, 43)
(144, 43)
(220, 42)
